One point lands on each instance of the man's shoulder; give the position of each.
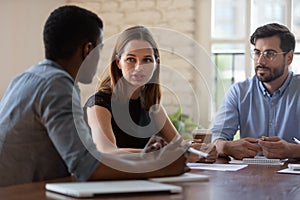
(247, 81)
(294, 85)
(246, 84)
(296, 78)
(48, 71)
(43, 75)
(243, 88)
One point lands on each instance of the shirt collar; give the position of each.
(57, 66)
(281, 89)
(51, 63)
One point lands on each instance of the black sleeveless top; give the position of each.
(128, 137)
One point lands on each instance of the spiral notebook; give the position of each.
(258, 160)
(90, 189)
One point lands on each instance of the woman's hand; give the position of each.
(155, 143)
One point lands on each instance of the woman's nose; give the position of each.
(138, 66)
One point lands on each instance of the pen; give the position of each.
(296, 140)
(198, 152)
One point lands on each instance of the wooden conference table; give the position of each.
(253, 182)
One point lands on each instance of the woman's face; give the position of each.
(137, 62)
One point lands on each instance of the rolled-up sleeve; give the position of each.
(226, 121)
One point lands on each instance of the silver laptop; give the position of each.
(90, 189)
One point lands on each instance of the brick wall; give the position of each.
(173, 24)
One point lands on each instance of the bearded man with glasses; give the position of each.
(265, 109)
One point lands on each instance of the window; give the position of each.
(228, 19)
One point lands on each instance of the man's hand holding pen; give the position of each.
(209, 149)
(198, 151)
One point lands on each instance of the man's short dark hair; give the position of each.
(287, 39)
(67, 28)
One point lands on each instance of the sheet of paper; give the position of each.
(288, 171)
(216, 167)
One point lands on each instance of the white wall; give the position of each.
(21, 23)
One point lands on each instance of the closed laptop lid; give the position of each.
(89, 189)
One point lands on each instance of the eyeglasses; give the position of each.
(268, 54)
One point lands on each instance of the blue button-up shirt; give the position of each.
(249, 108)
(43, 134)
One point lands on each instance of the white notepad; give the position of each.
(258, 160)
(186, 177)
(90, 189)
(261, 161)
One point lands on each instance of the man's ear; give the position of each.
(87, 48)
(290, 56)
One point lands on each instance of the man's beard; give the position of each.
(273, 73)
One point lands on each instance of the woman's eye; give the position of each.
(148, 60)
(130, 60)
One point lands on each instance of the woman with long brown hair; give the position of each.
(126, 111)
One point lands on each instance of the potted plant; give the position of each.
(183, 123)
